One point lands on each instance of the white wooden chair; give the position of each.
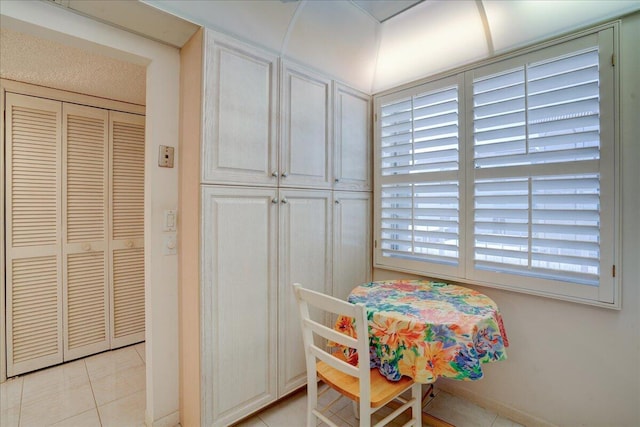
(360, 383)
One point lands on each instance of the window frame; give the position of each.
(608, 292)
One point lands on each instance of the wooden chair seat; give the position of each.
(383, 391)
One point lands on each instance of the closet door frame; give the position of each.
(21, 88)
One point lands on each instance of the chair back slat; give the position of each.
(330, 334)
(334, 362)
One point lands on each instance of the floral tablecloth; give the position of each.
(426, 330)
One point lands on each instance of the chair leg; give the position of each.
(312, 403)
(416, 408)
(356, 411)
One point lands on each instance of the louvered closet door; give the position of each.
(127, 230)
(84, 212)
(34, 273)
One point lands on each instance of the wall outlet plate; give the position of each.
(165, 156)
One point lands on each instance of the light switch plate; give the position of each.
(165, 156)
(170, 220)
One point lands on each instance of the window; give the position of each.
(419, 163)
(504, 174)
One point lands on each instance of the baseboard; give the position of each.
(500, 408)
(171, 420)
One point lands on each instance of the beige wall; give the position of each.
(161, 184)
(571, 364)
(191, 63)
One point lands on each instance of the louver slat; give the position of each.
(127, 251)
(420, 210)
(86, 300)
(85, 178)
(539, 224)
(85, 148)
(128, 292)
(34, 290)
(34, 195)
(128, 180)
(34, 309)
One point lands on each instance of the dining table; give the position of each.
(427, 329)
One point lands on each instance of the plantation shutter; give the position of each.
(127, 234)
(419, 183)
(86, 285)
(34, 274)
(537, 169)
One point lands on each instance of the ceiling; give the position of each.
(372, 45)
(135, 17)
(31, 59)
(383, 10)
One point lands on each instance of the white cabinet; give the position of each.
(256, 242)
(240, 107)
(241, 112)
(305, 257)
(352, 139)
(305, 129)
(267, 217)
(239, 292)
(351, 241)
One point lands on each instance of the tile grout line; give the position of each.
(95, 402)
(21, 397)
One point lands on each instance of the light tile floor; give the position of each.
(291, 412)
(107, 389)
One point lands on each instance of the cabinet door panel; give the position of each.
(305, 257)
(239, 115)
(305, 150)
(352, 127)
(239, 300)
(351, 241)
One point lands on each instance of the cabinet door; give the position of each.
(84, 223)
(305, 257)
(305, 145)
(352, 139)
(127, 228)
(352, 252)
(33, 209)
(239, 301)
(240, 93)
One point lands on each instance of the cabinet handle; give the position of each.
(285, 174)
(337, 179)
(129, 243)
(284, 200)
(274, 174)
(86, 247)
(337, 202)
(274, 201)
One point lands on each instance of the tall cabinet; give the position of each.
(273, 211)
(74, 182)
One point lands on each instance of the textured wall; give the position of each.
(30, 59)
